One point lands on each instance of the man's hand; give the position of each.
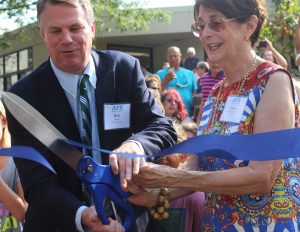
(90, 219)
(170, 75)
(126, 167)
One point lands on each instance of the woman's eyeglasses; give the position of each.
(169, 100)
(215, 23)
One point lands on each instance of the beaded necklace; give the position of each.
(238, 93)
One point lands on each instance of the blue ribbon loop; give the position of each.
(26, 152)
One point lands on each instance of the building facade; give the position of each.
(148, 46)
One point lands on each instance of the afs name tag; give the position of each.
(233, 110)
(116, 116)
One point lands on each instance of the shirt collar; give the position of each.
(69, 81)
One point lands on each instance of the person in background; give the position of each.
(256, 96)
(185, 213)
(207, 82)
(190, 129)
(178, 78)
(211, 78)
(201, 68)
(153, 82)
(154, 86)
(95, 97)
(191, 61)
(297, 44)
(12, 203)
(173, 105)
(271, 54)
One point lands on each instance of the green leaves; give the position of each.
(125, 14)
(280, 27)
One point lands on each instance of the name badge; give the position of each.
(233, 110)
(116, 116)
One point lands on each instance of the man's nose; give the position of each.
(67, 37)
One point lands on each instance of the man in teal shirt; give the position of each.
(178, 78)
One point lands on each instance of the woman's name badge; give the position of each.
(234, 108)
(116, 116)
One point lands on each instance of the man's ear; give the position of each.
(93, 28)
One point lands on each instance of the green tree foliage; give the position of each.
(16, 10)
(126, 14)
(280, 26)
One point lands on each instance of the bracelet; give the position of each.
(159, 212)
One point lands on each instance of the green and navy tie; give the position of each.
(85, 114)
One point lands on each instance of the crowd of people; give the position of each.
(243, 87)
(176, 74)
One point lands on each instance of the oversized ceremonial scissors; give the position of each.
(99, 180)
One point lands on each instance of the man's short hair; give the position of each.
(173, 48)
(85, 4)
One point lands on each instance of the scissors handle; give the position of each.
(102, 184)
(100, 193)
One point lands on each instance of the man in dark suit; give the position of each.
(115, 79)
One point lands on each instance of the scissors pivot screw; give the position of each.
(89, 168)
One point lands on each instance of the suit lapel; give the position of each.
(56, 105)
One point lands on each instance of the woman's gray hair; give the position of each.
(85, 4)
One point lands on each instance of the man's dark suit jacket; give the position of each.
(54, 199)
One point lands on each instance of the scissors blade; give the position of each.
(41, 129)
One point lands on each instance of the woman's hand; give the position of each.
(142, 197)
(156, 176)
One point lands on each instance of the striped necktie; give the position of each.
(85, 114)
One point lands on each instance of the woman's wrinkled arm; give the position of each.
(275, 111)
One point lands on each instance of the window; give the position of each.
(143, 54)
(11, 63)
(14, 66)
(1, 66)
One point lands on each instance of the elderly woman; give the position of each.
(240, 195)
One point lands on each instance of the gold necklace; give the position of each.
(218, 100)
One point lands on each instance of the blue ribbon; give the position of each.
(273, 145)
(26, 152)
